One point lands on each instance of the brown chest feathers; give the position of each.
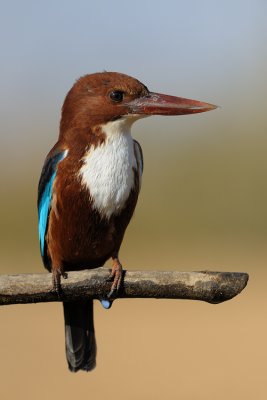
(87, 224)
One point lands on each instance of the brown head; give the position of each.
(108, 96)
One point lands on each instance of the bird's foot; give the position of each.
(56, 281)
(115, 276)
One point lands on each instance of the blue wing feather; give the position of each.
(45, 194)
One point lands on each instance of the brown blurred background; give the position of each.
(202, 205)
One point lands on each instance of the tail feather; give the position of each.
(80, 335)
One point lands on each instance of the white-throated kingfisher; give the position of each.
(89, 188)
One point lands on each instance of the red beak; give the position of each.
(163, 104)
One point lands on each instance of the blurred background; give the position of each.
(202, 205)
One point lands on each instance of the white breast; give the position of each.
(108, 169)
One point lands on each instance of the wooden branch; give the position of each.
(212, 287)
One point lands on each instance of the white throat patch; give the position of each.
(108, 169)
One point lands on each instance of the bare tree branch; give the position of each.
(212, 287)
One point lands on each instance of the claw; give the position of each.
(56, 281)
(109, 278)
(64, 275)
(112, 293)
(116, 276)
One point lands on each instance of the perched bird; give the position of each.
(89, 188)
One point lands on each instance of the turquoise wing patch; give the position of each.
(45, 194)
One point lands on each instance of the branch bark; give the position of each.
(212, 287)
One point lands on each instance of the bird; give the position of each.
(89, 187)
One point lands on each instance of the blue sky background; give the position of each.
(209, 49)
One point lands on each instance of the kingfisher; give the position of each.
(89, 188)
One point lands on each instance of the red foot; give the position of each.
(116, 276)
(56, 280)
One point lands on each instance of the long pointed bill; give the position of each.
(163, 104)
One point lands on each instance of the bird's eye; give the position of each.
(116, 95)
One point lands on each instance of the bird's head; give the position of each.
(100, 98)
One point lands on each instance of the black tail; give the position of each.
(80, 335)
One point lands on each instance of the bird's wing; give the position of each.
(139, 160)
(45, 189)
